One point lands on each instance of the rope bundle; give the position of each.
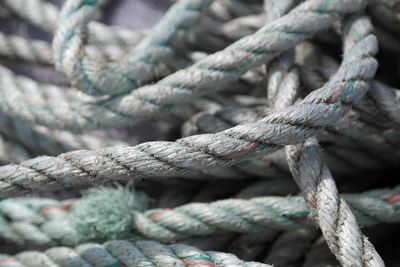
(257, 92)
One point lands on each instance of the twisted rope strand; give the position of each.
(35, 221)
(290, 126)
(65, 109)
(381, 98)
(44, 15)
(124, 253)
(332, 214)
(139, 66)
(161, 98)
(37, 51)
(358, 125)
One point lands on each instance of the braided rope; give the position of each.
(124, 253)
(61, 108)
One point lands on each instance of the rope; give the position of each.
(290, 126)
(145, 63)
(66, 109)
(227, 65)
(209, 64)
(36, 221)
(46, 141)
(124, 253)
(37, 51)
(334, 217)
(45, 15)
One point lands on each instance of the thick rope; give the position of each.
(332, 214)
(147, 62)
(350, 145)
(381, 104)
(124, 253)
(36, 221)
(42, 140)
(44, 15)
(37, 51)
(290, 126)
(353, 116)
(155, 100)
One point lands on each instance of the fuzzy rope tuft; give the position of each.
(104, 213)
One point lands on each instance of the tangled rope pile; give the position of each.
(258, 95)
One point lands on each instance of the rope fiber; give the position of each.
(260, 129)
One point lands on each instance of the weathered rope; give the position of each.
(44, 15)
(37, 51)
(289, 126)
(332, 214)
(66, 109)
(227, 65)
(147, 62)
(36, 221)
(124, 253)
(209, 62)
(349, 143)
(382, 101)
(42, 140)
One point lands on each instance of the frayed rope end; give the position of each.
(106, 213)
